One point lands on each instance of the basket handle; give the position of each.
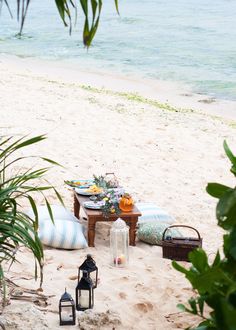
(163, 236)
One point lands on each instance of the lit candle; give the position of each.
(84, 301)
(120, 260)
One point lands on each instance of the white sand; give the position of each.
(158, 155)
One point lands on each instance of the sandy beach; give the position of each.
(163, 142)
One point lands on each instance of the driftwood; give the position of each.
(2, 326)
(17, 292)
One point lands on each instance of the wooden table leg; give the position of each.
(91, 231)
(132, 230)
(76, 207)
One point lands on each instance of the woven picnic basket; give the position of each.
(178, 248)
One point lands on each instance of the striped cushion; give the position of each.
(63, 234)
(152, 213)
(58, 211)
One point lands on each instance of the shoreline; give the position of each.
(172, 94)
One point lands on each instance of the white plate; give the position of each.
(83, 183)
(82, 191)
(93, 205)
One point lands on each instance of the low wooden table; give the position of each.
(94, 216)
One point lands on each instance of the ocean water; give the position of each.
(187, 41)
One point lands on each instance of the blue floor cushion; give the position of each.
(153, 213)
(151, 233)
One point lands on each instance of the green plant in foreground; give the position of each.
(215, 283)
(16, 228)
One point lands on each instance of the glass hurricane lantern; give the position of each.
(119, 243)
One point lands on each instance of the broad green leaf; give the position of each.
(226, 210)
(229, 153)
(182, 307)
(199, 260)
(231, 157)
(232, 243)
(179, 267)
(217, 190)
(208, 281)
(193, 304)
(225, 315)
(217, 260)
(203, 327)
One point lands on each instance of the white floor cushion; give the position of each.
(65, 233)
(62, 235)
(153, 213)
(59, 212)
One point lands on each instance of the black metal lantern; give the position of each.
(90, 267)
(67, 309)
(84, 293)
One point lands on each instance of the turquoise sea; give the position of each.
(190, 41)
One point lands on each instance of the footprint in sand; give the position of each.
(144, 307)
(122, 295)
(125, 278)
(73, 277)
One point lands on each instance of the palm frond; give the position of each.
(16, 227)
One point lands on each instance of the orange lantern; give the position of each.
(126, 203)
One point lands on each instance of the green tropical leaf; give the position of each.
(30, 141)
(229, 153)
(182, 307)
(217, 260)
(199, 260)
(34, 208)
(51, 161)
(231, 157)
(217, 190)
(59, 196)
(193, 304)
(180, 268)
(49, 209)
(232, 243)
(117, 6)
(226, 210)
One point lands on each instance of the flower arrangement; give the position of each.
(111, 203)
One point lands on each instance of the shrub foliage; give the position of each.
(215, 283)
